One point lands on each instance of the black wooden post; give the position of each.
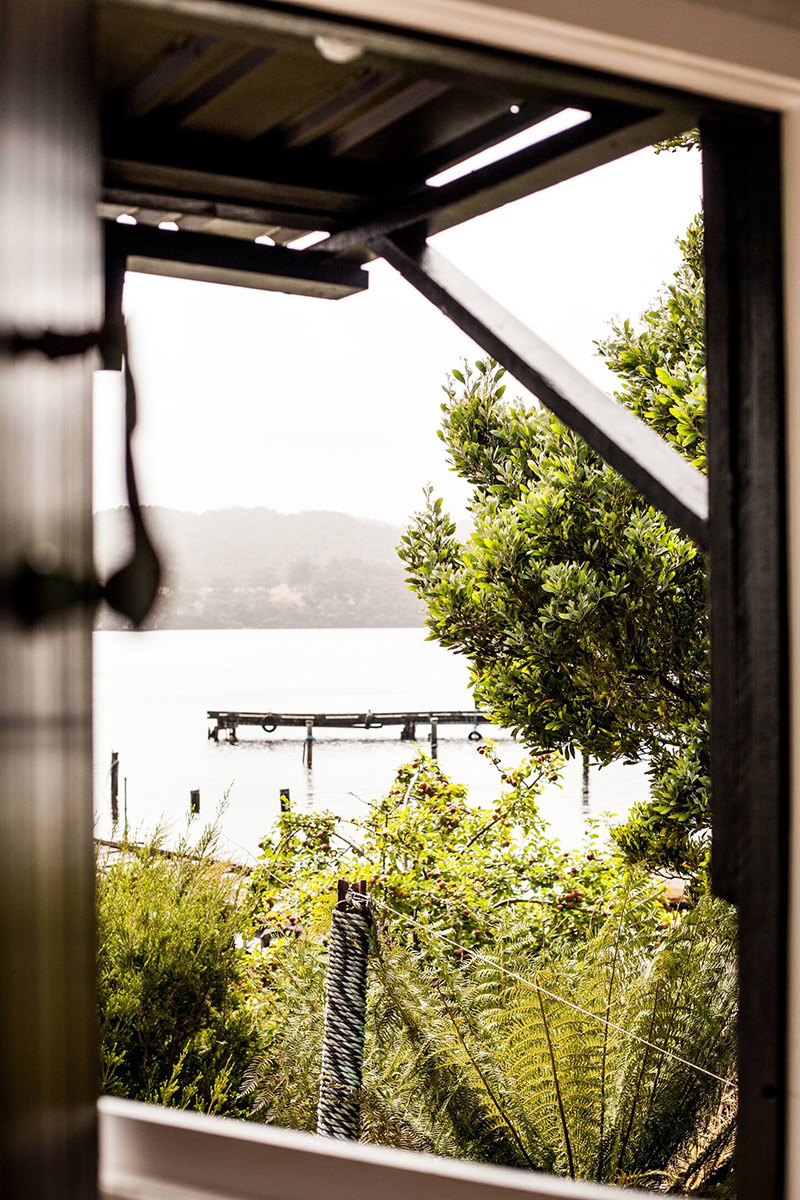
(286, 800)
(308, 745)
(434, 737)
(194, 802)
(748, 618)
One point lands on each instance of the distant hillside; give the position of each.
(255, 568)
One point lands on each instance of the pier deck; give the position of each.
(407, 721)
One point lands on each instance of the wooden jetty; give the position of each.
(230, 722)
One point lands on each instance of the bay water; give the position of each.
(153, 689)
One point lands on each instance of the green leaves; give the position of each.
(174, 994)
(426, 848)
(519, 1055)
(581, 610)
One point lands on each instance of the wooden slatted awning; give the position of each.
(230, 118)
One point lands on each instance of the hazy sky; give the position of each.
(256, 398)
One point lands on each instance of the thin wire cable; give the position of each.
(586, 1012)
(287, 883)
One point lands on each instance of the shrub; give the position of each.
(174, 991)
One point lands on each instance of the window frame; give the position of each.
(751, 573)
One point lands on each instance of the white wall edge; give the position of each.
(152, 1153)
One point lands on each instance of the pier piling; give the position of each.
(434, 737)
(194, 802)
(114, 788)
(308, 746)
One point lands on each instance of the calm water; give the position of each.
(152, 691)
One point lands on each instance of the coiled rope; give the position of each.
(338, 1112)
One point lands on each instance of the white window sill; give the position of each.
(151, 1153)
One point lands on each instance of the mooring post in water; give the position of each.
(308, 745)
(114, 788)
(585, 782)
(286, 800)
(194, 802)
(434, 737)
(339, 1110)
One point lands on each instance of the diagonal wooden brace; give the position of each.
(625, 442)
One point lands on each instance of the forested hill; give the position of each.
(256, 568)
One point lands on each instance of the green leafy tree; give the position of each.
(175, 997)
(581, 609)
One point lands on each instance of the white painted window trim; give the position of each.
(151, 1153)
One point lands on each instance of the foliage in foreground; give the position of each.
(174, 992)
(427, 851)
(464, 1057)
(581, 609)
(472, 1062)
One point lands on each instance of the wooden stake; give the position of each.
(114, 788)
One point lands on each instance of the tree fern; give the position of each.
(560, 1079)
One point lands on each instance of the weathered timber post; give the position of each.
(114, 788)
(339, 1109)
(409, 732)
(194, 802)
(434, 737)
(286, 800)
(585, 782)
(308, 745)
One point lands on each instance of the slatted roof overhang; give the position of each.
(225, 118)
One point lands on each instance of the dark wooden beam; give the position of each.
(314, 123)
(618, 436)
(213, 259)
(231, 170)
(484, 134)
(198, 204)
(214, 86)
(381, 116)
(605, 137)
(750, 754)
(130, 102)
